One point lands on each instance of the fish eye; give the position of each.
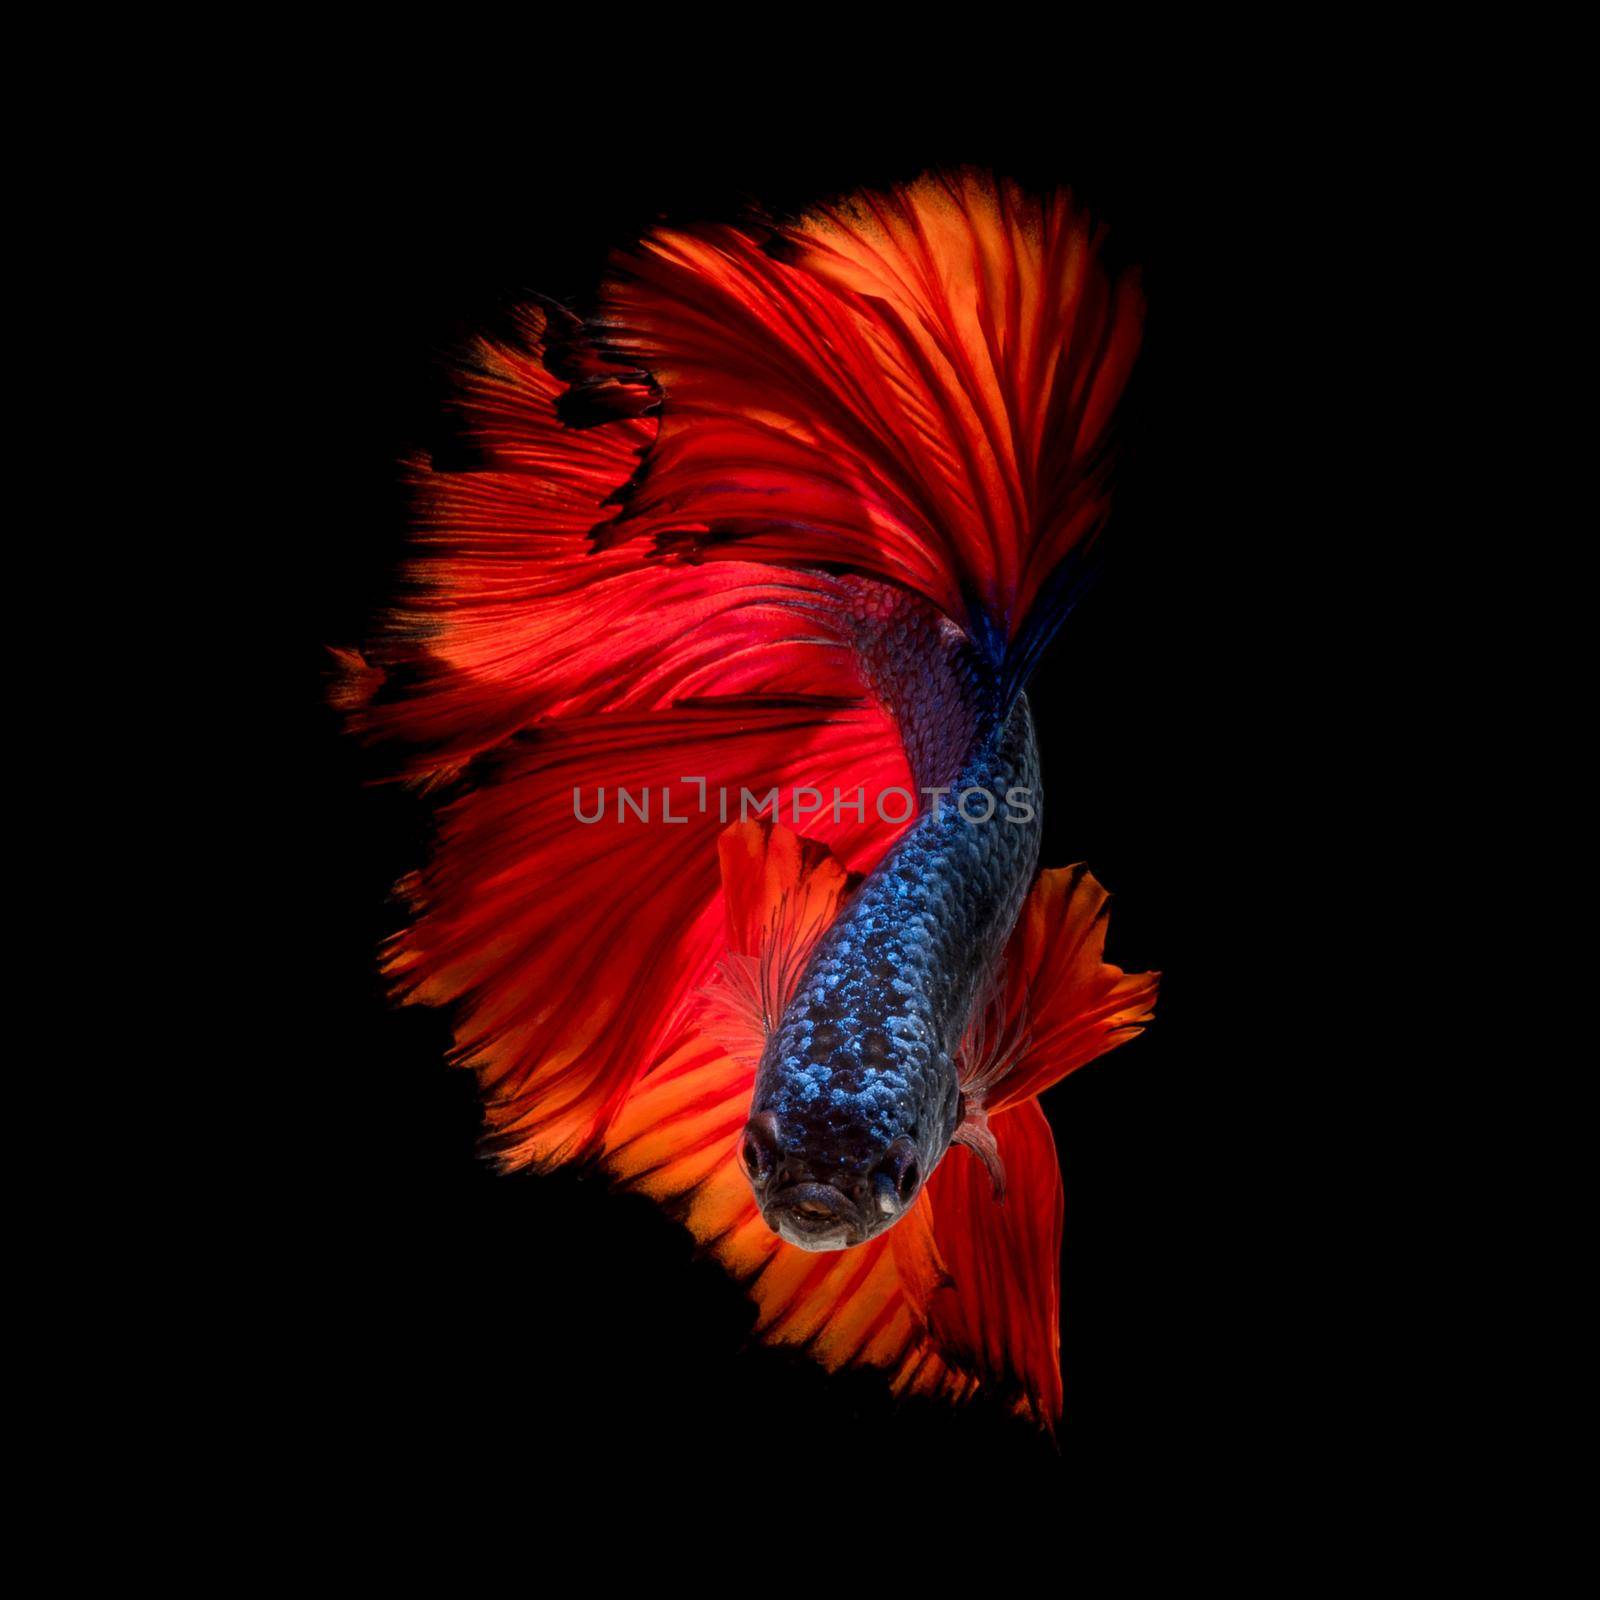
(759, 1149)
(901, 1168)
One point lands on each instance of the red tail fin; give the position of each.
(512, 618)
(526, 665)
(915, 385)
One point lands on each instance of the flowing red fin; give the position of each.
(996, 1038)
(513, 618)
(572, 948)
(353, 680)
(1053, 1004)
(1066, 1003)
(527, 669)
(915, 385)
(735, 1012)
(780, 892)
(998, 1316)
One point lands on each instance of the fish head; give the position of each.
(831, 1201)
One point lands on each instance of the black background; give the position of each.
(425, 1299)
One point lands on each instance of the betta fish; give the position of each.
(714, 658)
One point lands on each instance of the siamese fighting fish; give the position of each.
(714, 660)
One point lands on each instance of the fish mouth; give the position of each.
(814, 1216)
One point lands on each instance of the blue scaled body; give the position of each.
(856, 1097)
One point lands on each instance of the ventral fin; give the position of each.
(976, 1135)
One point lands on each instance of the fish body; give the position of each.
(857, 1097)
